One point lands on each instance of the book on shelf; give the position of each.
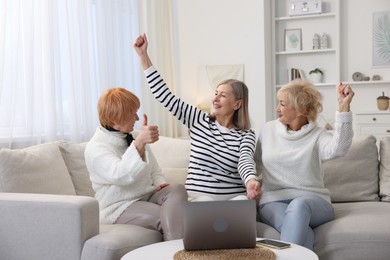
(295, 73)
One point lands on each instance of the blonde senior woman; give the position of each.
(290, 151)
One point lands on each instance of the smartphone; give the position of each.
(273, 243)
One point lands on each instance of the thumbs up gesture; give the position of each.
(148, 133)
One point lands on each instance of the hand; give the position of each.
(162, 186)
(253, 189)
(141, 45)
(147, 135)
(344, 97)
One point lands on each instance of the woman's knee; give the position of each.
(299, 204)
(315, 208)
(178, 190)
(273, 214)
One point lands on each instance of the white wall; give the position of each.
(356, 42)
(220, 32)
(217, 32)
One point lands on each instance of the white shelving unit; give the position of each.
(306, 59)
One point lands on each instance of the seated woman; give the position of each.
(221, 163)
(291, 150)
(128, 182)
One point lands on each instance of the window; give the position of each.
(56, 58)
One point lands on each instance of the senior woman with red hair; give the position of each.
(128, 182)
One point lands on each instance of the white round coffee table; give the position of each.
(166, 250)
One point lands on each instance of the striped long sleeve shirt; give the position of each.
(221, 159)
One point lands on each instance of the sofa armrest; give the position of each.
(43, 226)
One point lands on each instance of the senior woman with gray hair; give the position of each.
(290, 152)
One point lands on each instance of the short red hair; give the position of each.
(115, 104)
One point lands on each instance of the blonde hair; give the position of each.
(115, 104)
(304, 98)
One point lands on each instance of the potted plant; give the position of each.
(316, 75)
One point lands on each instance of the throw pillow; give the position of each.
(36, 169)
(175, 175)
(172, 152)
(354, 177)
(384, 169)
(73, 154)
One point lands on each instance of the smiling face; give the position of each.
(287, 114)
(225, 103)
(299, 103)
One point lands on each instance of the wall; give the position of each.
(356, 43)
(220, 32)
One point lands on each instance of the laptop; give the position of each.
(219, 224)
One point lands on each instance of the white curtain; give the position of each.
(156, 20)
(56, 58)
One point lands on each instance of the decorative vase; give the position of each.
(315, 77)
(316, 42)
(324, 41)
(383, 102)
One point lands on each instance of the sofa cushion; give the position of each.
(354, 177)
(384, 169)
(36, 169)
(263, 230)
(171, 152)
(116, 240)
(360, 230)
(73, 154)
(175, 175)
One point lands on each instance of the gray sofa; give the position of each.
(359, 184)
(48, 210)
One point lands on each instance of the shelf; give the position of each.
(369, 82)
(325, 84)
(331, 84)
(302, 17)
(352, 83)
(305, 52)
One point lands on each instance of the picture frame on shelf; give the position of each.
(292, 40)
(381, 45)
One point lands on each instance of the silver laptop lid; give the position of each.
(219, 224)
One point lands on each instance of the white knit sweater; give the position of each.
(292, 161)
(118, 174)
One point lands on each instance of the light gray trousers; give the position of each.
(162, 211)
